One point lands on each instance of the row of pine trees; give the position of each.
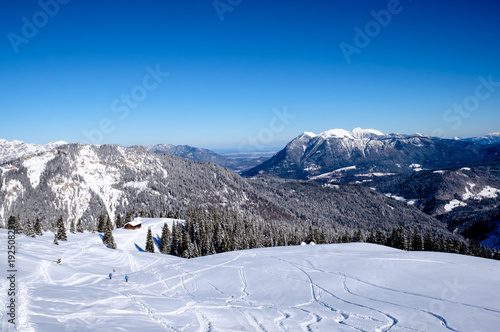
(211, 232)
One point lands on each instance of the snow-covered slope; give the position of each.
(17, 149)
(345, 287)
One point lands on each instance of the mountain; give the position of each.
(83, 181)
(467, 198)
(338, 287)
(10, 150)
(204, 155)
(338, 155)
(490, 139)
(192, 153)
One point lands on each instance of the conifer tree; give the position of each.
(109, 223)
(119, 221)
(416, 241)
(149, 242)
(165, 239)
(72, 228)
(55, 239)
(38, 227)
(15, 225)
(101, 226)
(61, 230)
(79, 226)
(108, 239)
(428, 241)
(29, 230)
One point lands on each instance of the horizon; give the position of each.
(246, 75)
(275, 147)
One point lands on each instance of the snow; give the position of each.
(377, 174)
(453, 204)
(397, 198)
(356, 133)
(489, 192)
(486, 192)
(440, 172)
(14, 189)
(16, 149)
(326, 175)
(465, 169)
(343, 169)
(140, 185)
(300, 288)
(309, 134)
(36, 165)
(416, 167)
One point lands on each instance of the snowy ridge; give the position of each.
(356, 133)
(16, 149)
(272, 289)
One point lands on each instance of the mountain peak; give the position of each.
(308, 134)
(356, 133)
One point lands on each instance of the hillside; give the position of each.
(341, 287)
(79, 181)
(467, 198)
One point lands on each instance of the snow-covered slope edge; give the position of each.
(342, 287)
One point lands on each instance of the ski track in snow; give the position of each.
(278, 289)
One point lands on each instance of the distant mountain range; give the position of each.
(345, 156)
(80, 181)
(203, 155)
(493, 138)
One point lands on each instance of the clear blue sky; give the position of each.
(227, 76)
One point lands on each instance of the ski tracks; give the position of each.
(150, 312)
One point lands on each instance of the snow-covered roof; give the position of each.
(134, 223)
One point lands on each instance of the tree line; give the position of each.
(211, 232)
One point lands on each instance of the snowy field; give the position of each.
(342, 287)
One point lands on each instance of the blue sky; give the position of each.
(85, 73)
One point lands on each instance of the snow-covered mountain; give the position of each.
(83, 181)
(467, 198)
(340, 287)
(347, 156)
(490, 139)
(10, 150)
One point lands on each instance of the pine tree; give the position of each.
(428, 241)
(72, 228)
(14, 224)
(149, 242)
(11, 224)
(165, 239)
(79, 226)
(108, 239)
(109, 223)
(186, 240)
(416, 241)
(38, 227)
(29, 230)
(61, 230)
(55, 239)
(101, 226)
(119, 221)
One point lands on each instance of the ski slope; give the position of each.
(340, 287)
